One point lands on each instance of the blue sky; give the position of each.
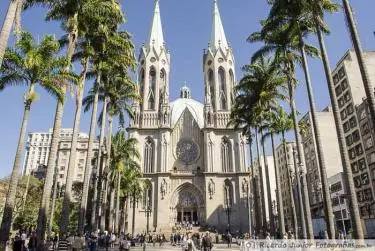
(187, 26)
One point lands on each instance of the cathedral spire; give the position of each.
(218, 38)
(156, 38)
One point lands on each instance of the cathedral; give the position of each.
(194, 163)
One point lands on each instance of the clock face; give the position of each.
(187, 151)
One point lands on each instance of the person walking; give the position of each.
(63, 243)
(33, 242)
(17, 243)
(206, 242)
(77, 243)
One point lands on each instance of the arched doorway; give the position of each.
(187, 205)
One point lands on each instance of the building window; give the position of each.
(336, 78)
(362, 114)
(349, 109)
(81, 161)
(151, 94)
(359, 149)
(365, 128)
(349, 140)
(228, 193)
(163, 81)
(148, 164)
(357, 184)
(61, 176)
(362, 164)
(364, 179)
(369, 143)
(212, 87)
(225, 155)
(344, 85)
(336, 187)
(346, 126)
(343, 114)
(347, 96)
(355, 167)
(341, 102)
(356, 136)
(341, 73)
(353, 122)
(338, 90)
(147, 196)
(352, 153)
(62, 168)
(223, 89)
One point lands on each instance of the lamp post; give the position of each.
(148, 209)
(228, 206)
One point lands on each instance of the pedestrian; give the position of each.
(33, 242)
(206, 242)
(17, 243)
(229, 239)
(77, 243)
(55, 240)
(63, 243)
(92, 243)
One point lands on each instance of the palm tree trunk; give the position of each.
(292, 202)
(45, 203)
(280, 208)
(254, 218)
(117, 225)
(89, 156)
(64, 222)
(301, 162)
(354, 211)
(262, 195)
(7, 27)
(268, 184)
(17, 20)
(111, 205)
(106, 168)
(133, 216)
(125, 209)
(369, 88)
(10, 201)
(319, 147)
(54, 196)
(98, 183)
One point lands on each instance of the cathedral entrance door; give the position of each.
(187, 206)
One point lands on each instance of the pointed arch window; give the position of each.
(226, 155)
(152, 91)
(142, 81)
(228, 194)
(163, 86)
(223, 89)
(231, 79)
(147, 196)
(211, 86)
(148, 162)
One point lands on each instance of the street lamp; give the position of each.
(228, 206)
(148, 208)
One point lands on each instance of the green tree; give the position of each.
(125, 155)
(30, 64)
(257, 91)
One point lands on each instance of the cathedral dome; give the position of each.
(186, 102)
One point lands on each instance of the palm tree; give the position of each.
(369, 88)
(317, 9)
(7, 27)
(125, 155)
(281, 124)
(270, 128)
(289, 14)
(279, 42)
(29, 64)
(256, 92)
(121, 92)
(114, 53)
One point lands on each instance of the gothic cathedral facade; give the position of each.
(194, 164)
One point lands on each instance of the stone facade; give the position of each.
(196, 164)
